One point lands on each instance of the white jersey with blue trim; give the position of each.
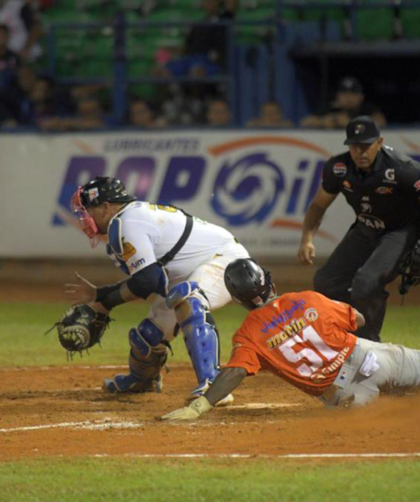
(142, 233)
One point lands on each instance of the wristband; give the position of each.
(109, 296)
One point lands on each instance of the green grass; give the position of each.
(134, 480)
(23, 343)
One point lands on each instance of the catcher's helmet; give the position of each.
(248, 283)
(104, 189)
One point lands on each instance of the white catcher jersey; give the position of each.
(142, 233)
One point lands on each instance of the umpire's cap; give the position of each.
(104, 189)
(248, 283)
(362, 129)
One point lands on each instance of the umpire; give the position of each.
(383, 188)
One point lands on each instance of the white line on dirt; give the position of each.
(241, 455)
(69, 368)
(97, 425)
(261, 406)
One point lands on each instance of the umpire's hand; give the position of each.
(306, 253)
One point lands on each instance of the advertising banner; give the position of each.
(258, 185)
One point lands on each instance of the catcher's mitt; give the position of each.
(81, 327)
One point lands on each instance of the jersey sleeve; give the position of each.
(132, 244)
(244, 354)
(342, 315)
(410, 177)
(330, 182)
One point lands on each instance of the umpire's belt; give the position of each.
(170, 255)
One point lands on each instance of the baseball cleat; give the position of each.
(129, 383)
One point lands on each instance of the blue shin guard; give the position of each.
(200, 333)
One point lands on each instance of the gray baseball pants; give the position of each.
(396, 368)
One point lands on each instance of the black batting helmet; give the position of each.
(248, 283)
(104, 189)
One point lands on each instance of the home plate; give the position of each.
(262, 406)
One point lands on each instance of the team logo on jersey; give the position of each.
(390, 175)
(136, 264)
(340, 169)
(417, 185)
(292, 329)
(347, 186)
(366, 207)
(311, 315)
(385, 190)
(128, 250)
(334, 366)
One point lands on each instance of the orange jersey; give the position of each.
(301, 337)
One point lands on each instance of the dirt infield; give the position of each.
(64, 411)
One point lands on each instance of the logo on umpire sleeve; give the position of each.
(340, 169)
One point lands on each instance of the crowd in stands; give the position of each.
(30, 97)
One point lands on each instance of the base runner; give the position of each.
(305, 339)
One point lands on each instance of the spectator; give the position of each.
(17, 96)
(218, 114)
(21, 16)
(41, 101)
(141, 115)
(89, 116)
(271, 116)
(8, 59)
(205, 46)
(349, 103)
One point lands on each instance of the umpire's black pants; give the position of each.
(360, 267)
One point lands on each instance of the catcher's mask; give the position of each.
(93, 194)
(248, 283)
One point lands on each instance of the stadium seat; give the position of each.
(143, 91)
(374, 24)
(411, 23)
(253, 34)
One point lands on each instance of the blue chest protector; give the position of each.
(115, 247)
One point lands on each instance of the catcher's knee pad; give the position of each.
(199, 328)
(145, 337)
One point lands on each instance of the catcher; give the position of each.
(161, 249)
(305, 339)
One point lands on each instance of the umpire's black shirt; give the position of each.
(387, 197)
